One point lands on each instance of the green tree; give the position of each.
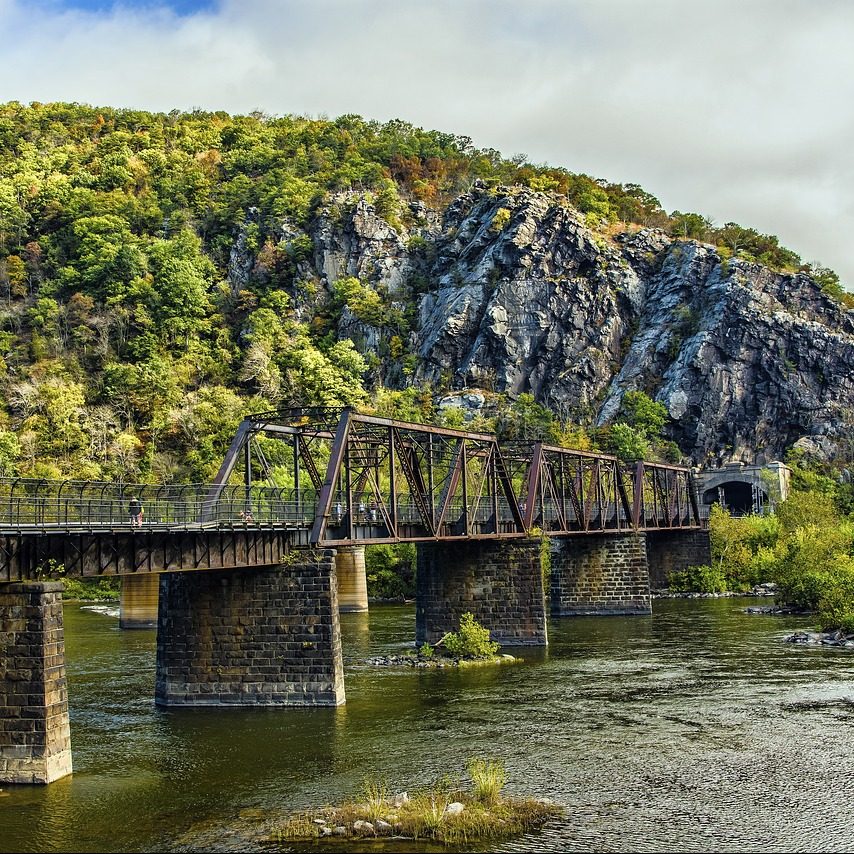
(627, 442)
(640, 411)
(10, 452)
(106, 259)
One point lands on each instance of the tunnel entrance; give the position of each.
(738, 497)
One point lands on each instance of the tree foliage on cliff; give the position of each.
(126, 349)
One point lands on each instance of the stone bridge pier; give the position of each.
(352, 579)
(35, 734)
(599, 574)
(499, 581)
(673, 551)
(265, 636)
(138, 601)
(260, 636)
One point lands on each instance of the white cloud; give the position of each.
(737, 110)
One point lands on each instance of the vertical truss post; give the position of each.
(533, 485)
(563, 492)
(392, 483)
(296, 478)
(247, 478)
(336, 458)
(430, 481)
(509, 494)
(624, 498)
(493, 480)
(348, 486)
(639, 495)
(465, 475)
(679, 499)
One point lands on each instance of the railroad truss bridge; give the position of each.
(245, 579)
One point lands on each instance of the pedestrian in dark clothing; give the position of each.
(136, 512)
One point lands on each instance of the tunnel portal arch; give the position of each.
(740, 497)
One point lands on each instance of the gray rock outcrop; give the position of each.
(515, 293)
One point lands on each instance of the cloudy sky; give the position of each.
(738, 110)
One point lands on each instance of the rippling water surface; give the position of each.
(693, 729)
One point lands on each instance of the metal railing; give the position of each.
(30, 503)
(43, 503)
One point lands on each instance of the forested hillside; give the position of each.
(164, 274)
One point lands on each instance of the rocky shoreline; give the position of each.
(439, 662)
(837, 638)
(759, 590)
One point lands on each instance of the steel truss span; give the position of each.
(333, 477)
(390, 481)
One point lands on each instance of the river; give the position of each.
(694, 729)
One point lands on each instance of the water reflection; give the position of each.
(693, 729)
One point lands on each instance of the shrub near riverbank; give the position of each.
(444, 812)
(91, 589)
(806, 549)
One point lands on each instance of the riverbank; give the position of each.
(91, 589)
(758, 591)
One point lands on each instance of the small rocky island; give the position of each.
(470, 646)
(445, 812)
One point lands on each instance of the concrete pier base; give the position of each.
(138, 603)
(255, 637)
(499, 582)
(599, 574)
(352, 579)
(35, 734)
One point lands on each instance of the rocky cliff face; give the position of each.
(515, 294)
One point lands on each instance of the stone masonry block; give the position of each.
(35, 734)
(673, 551)
(599, 574)
(230, 637)
(499, 582)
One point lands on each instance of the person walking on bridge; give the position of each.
(136, 512)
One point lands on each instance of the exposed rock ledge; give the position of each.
(438, 662)
(837, 638)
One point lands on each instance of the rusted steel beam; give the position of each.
(509, 495)
(241, 439)
(423, 499)
(308, 462)
(532, 486)
(392, 481)
(90, 555)
(413, 427)
(628, 510)
(324, 503)
(638, 508)
(592, 494)
(572, 452)
(453, 480)
(377, 541)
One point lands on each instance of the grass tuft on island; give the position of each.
(444, 812)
